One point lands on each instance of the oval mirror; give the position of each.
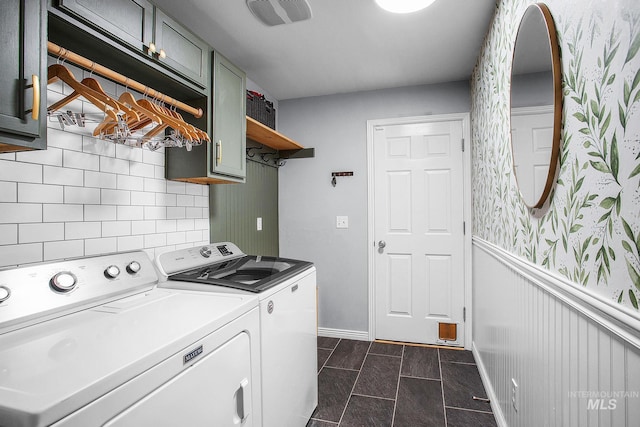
(536, 105)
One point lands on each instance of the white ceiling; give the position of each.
(347, 46)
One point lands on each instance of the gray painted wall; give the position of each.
(336, 126)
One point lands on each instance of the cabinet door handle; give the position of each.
(35, 112)
(219, 152)
(243, 402)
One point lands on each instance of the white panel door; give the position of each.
(419, 265)
(531, 140)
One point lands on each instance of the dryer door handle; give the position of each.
(243, 400)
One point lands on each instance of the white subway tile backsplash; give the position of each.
(126, 152)
(112, 165)
(194, 213)
(185, 200)
(20, 172)
(155, 240)
(142, 169)
(115, 197)
(51, 156)
(8, 191)
(185, 224)
(116, 228)
(130, 243)
(63, 176)
(82, 230)
(176, 238)
(155, 212)
(97, 146)
(63, 249)
(78, 160)
(155, 185)
(164, 199)
(176, 212)
(128, 213)
(65, 140)
(99, 213)
(127, 182)
(40, 232)
(100, 246)
(39, 193)
(62, 213)
(16, 213)
(20, 254)
(81, 195)
(176, 187)
(8, 234)
(100, 179)
(166, 226)
(153, 157)
(143, 227)
(141, 198)
(86, 196)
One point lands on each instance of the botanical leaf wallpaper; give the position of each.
(589, 229)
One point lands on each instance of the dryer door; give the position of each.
(215, 391)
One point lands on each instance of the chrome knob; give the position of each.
(5, 293)
(112, 272)
(205, 251)
(63, 282)
(382, 244)
(133, 267)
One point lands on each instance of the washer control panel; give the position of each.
(42, 291)
(185, 259)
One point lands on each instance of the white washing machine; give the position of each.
(286, 289)
(93, 342)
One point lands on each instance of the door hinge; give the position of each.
(463, 145)
(464, 314)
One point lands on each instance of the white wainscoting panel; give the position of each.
(575, 358)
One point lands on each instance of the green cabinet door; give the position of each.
(128, 20)
(22, 63)
(229, 118)
(177, 48)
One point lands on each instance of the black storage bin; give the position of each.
(260, 109)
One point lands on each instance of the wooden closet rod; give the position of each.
(61, 52)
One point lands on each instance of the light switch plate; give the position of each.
(342, 221)
(259, 224)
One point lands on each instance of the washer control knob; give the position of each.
(63, 282)
(205, 251)
(112, 272)
(5, 293)
(133, 267)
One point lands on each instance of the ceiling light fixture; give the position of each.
(403, 6)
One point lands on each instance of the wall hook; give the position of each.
(335, 174)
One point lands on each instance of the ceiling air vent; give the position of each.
(278, 12)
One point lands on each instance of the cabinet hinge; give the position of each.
(463, 145)
(464, 314)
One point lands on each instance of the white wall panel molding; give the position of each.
(618, 319)
(343, 333)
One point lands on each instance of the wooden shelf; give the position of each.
(269, 137)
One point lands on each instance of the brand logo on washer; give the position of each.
(270, 307)
(192, 355)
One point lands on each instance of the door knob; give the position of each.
(382, 244)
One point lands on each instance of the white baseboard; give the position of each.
(488, 388)
(343, 333)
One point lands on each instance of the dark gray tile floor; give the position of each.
(364, 384)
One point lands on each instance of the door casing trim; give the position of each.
(465, 119)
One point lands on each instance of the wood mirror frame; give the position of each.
(536, 92)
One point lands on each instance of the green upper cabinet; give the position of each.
(148, 30)
(23, 75)
(129, 20)
(179, 49)
(229, 119)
